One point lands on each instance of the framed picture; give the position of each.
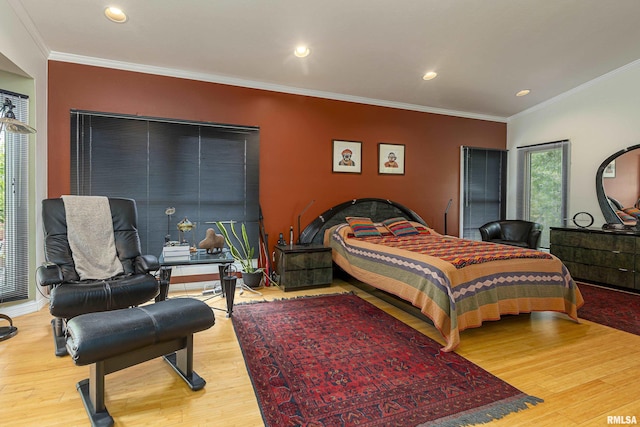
(610, 170)
(391, 159)
(347, 156)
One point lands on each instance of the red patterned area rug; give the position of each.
(337, 360)
(609, 307)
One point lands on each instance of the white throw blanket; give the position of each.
(90, 234)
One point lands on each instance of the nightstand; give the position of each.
(303, 266)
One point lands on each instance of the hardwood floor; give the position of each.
(585, 372)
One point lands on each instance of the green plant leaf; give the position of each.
(243, 252)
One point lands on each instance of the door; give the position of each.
(542, 178)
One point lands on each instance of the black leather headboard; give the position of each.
(376, 209)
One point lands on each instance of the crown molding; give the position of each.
(28, 24)
(232, 81)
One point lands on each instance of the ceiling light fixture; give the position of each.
(115, 14)
(430, 75)
(302, 51)
(523, 92)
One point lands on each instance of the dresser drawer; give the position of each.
(300, 279)
(600, 241)
(612, 259)
(609, 258)
(304, 261)
(609, 276)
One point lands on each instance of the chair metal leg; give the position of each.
(163, 280)
(59, 341)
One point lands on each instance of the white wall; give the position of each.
(27, 60)
(599, 118)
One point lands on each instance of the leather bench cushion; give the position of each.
(73, 299)
(94, 337)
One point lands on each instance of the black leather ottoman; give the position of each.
(114, 340)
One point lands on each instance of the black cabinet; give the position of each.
(303, 266)
(602, 256)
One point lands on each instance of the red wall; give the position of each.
(296, 134)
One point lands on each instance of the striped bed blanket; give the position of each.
(459, 252)
(457, 283)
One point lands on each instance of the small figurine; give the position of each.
(184, 226)
(212, 242)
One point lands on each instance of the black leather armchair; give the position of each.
(70, 296)
(514, 232)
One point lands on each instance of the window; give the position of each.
(207, 172)
(542, 178)
(483, 187)
(14, 209)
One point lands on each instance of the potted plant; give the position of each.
(243, 253)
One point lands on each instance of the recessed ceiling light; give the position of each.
(301, 51)
(115, 14)
(430, 75)
(523, 92)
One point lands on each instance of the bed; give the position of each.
(457, 283)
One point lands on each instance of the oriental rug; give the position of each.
(609, 307)
(337, 360)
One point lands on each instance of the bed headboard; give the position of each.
(376, 209)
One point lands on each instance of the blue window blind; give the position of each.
(484, 188)
(207, 172)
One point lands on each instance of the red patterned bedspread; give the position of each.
(457, 283)
(459, 252)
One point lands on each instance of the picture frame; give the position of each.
(610, 170)
(391, 159)
(346, 156)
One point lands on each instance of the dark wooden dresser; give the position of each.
(303, 266)
(606, 257)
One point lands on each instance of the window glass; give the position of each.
(14, 205)
(542, 178)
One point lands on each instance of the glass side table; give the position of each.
(200, 257)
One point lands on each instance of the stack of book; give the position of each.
(176, 253)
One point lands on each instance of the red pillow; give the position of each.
(400, 226)
(362, 227)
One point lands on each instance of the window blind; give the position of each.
(484, 188)
(14, 217)
(207, 172)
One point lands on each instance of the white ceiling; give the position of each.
(372, 51)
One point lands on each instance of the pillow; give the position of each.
(626, 218)
(400, 226)
(362, 227)
(634, 212)
(425, 230)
